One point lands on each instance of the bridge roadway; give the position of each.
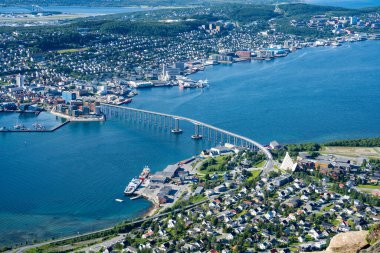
(269, 163)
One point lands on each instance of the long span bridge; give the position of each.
(172, 123)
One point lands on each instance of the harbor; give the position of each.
(37, 128)
(165, 187)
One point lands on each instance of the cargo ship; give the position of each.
(136, 182)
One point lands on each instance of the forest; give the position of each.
(365, 142)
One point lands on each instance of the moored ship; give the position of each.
(136, 182)
(145, 173)
(132, 186)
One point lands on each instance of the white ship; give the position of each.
(132, 186)
(136, 182)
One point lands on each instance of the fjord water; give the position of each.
(346, 3)
(62, 183)
(314, 94)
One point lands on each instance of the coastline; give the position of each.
(79, 119)
(152, 207)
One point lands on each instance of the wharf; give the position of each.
(35, 130)
(21, 112)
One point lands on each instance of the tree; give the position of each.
(118, 247)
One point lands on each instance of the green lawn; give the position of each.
(255, 174)
(260, 164)
(318, 214)
(369, 186)
(197, 198)
(218, 167)
(336, 222)
(327, 208)
(240, 214)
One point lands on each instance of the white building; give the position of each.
(20, 79)
(287, 163)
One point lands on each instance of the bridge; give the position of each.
(172, 124)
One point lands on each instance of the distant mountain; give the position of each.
(131, 2)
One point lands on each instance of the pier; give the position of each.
(35, 130)
(172, 124)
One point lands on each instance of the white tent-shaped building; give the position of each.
(287, 163)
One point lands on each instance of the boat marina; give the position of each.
(37, 127)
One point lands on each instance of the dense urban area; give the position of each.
(70, 67)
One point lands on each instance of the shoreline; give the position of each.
(239, 60)
(79, 119)
(149, 211)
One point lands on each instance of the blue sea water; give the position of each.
(62, 183)
(346, 3)
(314, 94)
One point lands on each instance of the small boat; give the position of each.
(196, 137)
(336, 44)
(38, 126)
(20, 127)
(135, 197)
(202, 83)
(119, 200)
(124, 102)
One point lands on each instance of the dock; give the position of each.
(21, 112)
(36, 130)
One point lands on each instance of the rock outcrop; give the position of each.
(349, 242)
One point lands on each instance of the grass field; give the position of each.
(368, 186)
(353, 151)
(197, 198)
(260, 164)
(327, 208)
(215, 168)
(255, 174)
(72, 50)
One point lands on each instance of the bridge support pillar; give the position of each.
(196, 135)
(176, 129)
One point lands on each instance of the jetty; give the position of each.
(27, 130)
